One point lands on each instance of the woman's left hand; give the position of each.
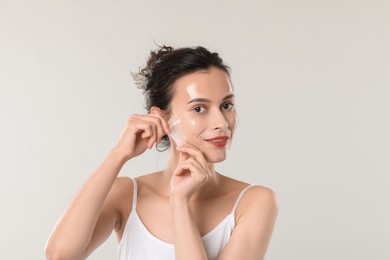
(192, 172)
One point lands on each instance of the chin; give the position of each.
(216, 157)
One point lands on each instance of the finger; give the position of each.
(195, 171)
(193, 161)
(194, 152)
(154, 138)
(192, 165)
(186, 166)
(182, 157)
(151, 120)
(148, 131)
(164, 123)
(154, 119)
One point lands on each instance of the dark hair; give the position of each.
(164, 66)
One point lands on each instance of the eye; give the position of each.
(199, 109)
(227, 106)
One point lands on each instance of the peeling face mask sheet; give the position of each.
(175, 124)
(176, 132)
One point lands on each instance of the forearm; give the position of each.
(187, 239)
(74, 229)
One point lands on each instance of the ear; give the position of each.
(156, 110)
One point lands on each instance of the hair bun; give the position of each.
(157, 55)
(142, 77)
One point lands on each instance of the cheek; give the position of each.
(192, 128)
(232, 121)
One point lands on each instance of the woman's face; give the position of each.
(203, 112)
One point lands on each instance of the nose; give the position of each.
(218, 121)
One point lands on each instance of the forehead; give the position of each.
(212, 83)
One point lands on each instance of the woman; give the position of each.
(187, 210)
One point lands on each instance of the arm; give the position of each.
(192, 172)
(85, 223)
(95, 211)
(188, 243)
(255, 221)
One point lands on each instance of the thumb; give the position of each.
(183, 157)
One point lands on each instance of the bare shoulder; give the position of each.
(258, 201)
(256, 193)
(256, 198)
(122, 187)
(123, 181)
(261, 194)
(255, 218)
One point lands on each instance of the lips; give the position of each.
(219, 141)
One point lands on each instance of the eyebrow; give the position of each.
(205, 100)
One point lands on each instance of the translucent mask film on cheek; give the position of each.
(176, 133)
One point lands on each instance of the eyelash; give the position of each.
(223, 106)
(197, 107)
(231, 105)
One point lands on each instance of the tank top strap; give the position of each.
(135, 192)
(239, 197)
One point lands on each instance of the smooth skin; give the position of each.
(189, 197)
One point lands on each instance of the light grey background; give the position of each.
(312, 82)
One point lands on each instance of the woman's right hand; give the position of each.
(92, 212)
(141, 132)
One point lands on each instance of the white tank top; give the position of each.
(138, 243)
